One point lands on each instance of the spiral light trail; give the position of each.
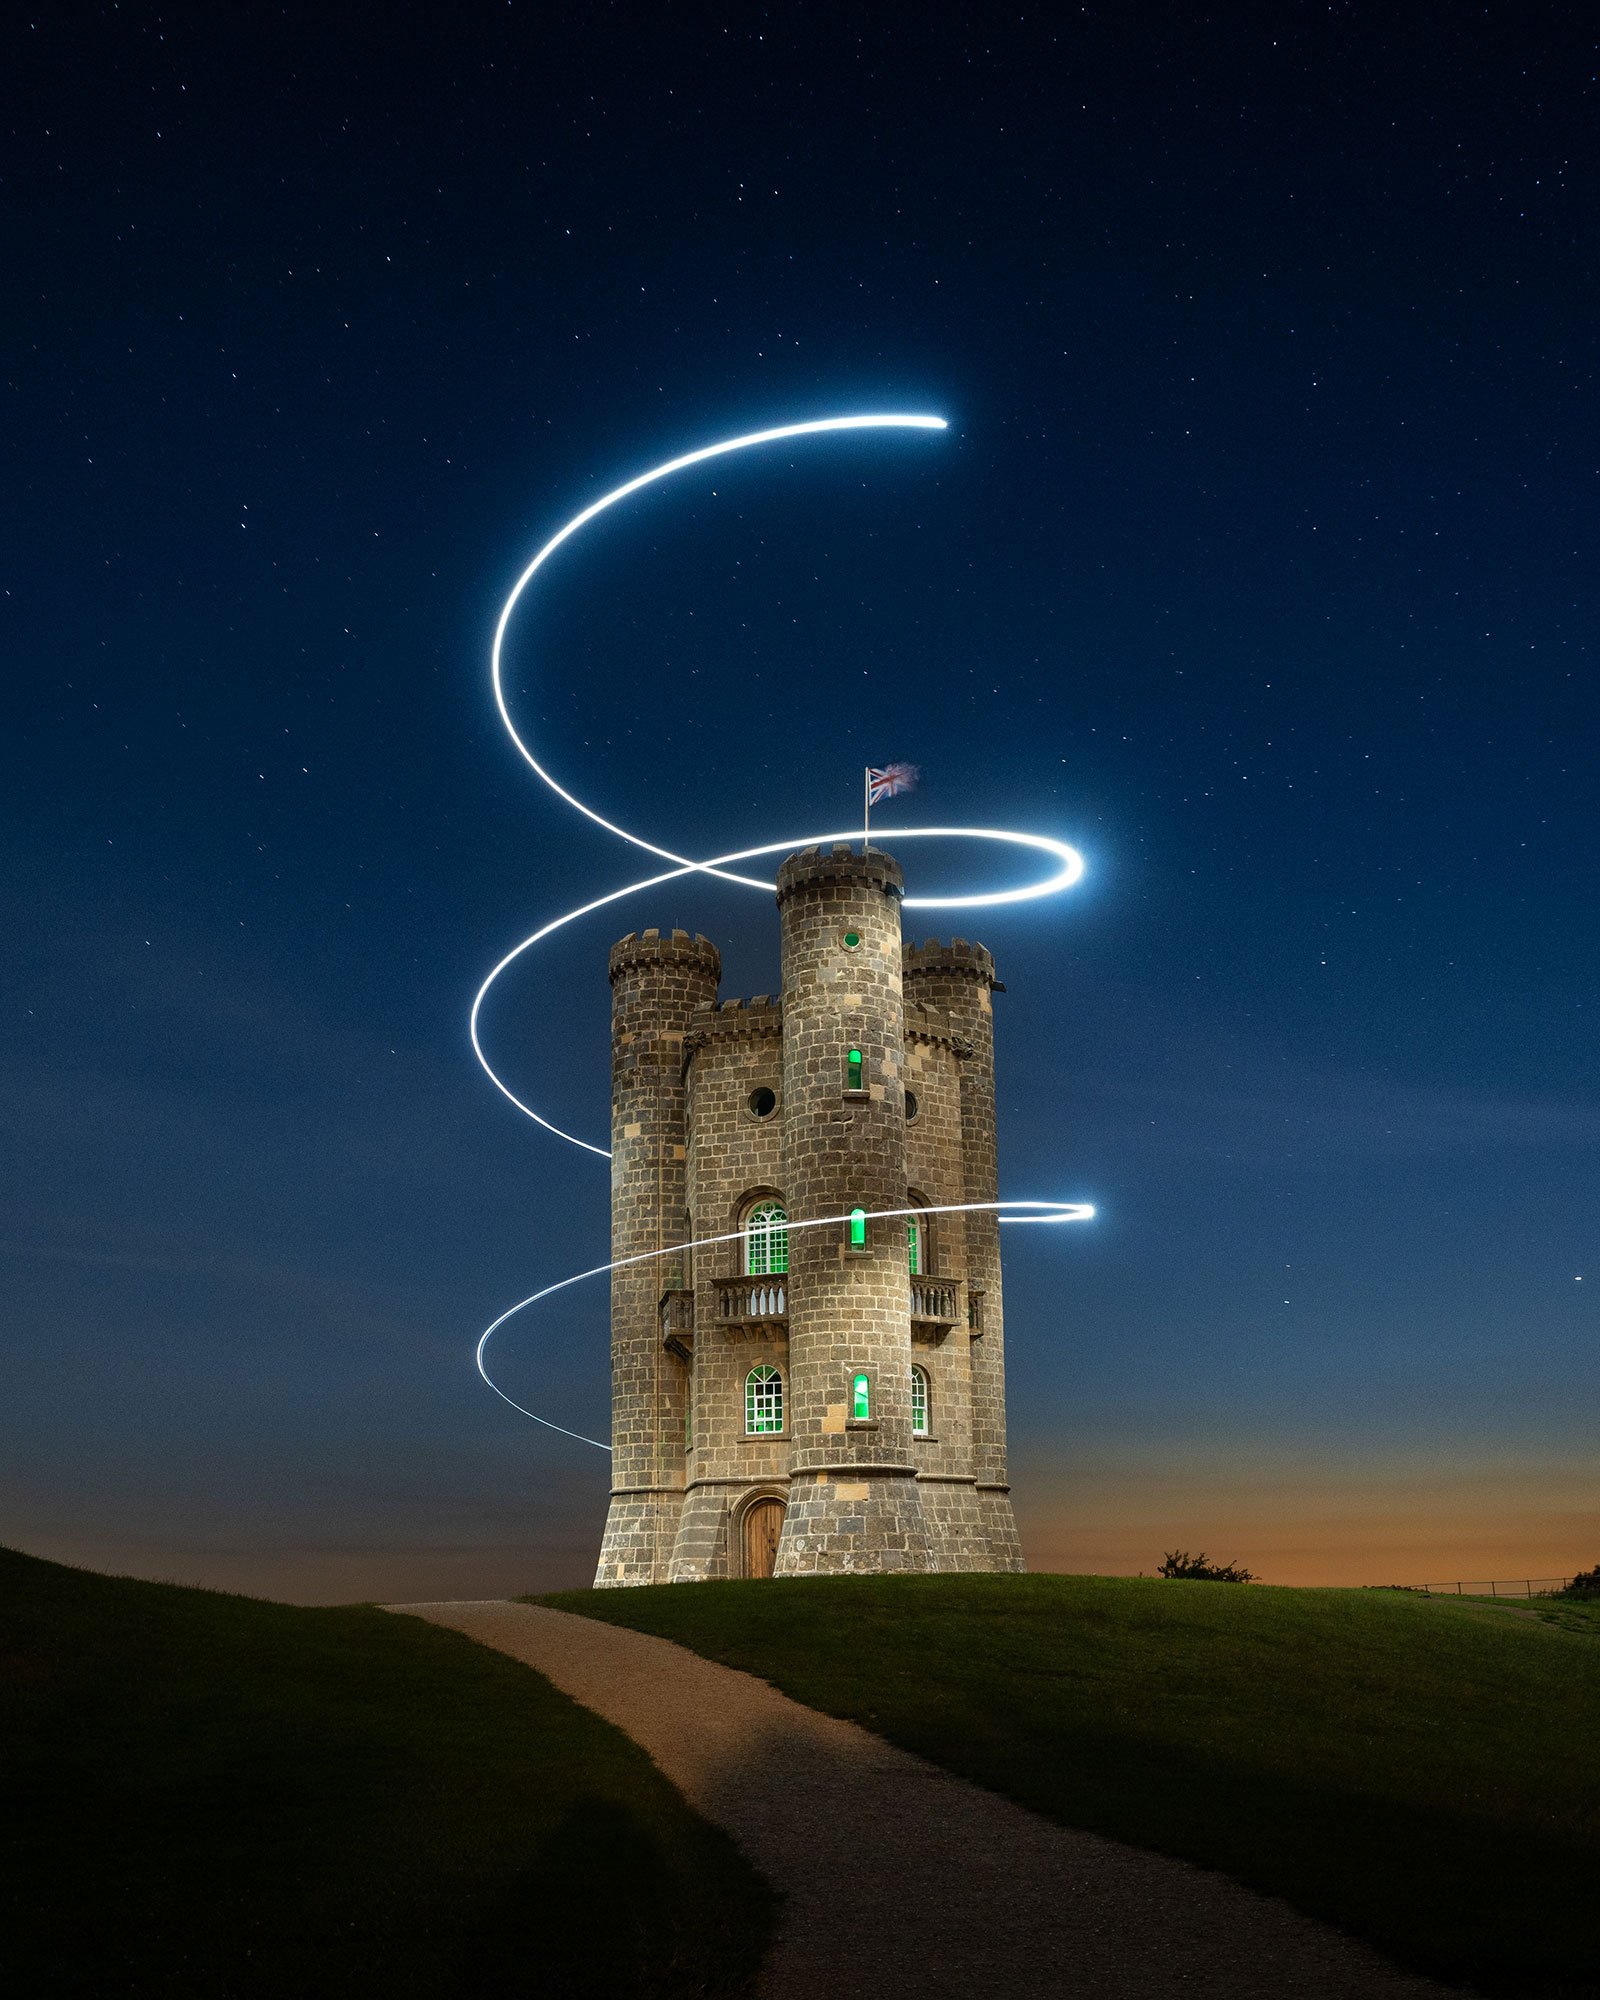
(1068, 868)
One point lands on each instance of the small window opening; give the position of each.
(861, 1398)
(766, 1240)
(858, 1229)
(911, 1105)
(851, 940)
(914, 1246)
(853, 1070)
(763, 1102)
(763, 1401)
(919, 1402)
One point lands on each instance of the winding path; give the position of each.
(902, 1880)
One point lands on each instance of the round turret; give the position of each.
(658, 984)
(853, 1498)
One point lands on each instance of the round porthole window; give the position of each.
(911, 1104)
(851, 940)
(763, 1102)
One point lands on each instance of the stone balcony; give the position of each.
(753, 1305)
(935, 1307)
(746, 1306)
(677, 1322)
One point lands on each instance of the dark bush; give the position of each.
(1179, 1562)
(1585, 1584)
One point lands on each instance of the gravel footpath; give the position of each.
(902, 1880)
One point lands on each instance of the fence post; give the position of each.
(1492, 1591)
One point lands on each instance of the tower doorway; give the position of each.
(760, 1527)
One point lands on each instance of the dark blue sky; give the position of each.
(1258, 561)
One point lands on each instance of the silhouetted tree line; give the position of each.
(1199, 1569)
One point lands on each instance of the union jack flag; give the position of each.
(892, 778)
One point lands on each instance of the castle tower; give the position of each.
(853, 1500)
(788, 1400)
(959, 981)
(657, 985)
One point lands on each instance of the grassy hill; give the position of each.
(210, 1795)
(1425, 1773)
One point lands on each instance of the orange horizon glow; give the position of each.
(1400, 1519)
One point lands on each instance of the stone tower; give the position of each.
(658, 984)
(797, 1401)
(956, 981)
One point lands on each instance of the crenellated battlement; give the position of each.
(730, 1019)
(676, 948)
(817, 867)
(934, 1026)
(957, 959)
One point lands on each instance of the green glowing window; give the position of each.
(861, 1398)
(853, 1070)
(763, 1401)
(914, 1246)
(766, 1240)
(858, 1229)
(851, 940)
(919, 1402)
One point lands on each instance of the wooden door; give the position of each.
(763, 1523)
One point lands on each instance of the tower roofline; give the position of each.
(816, 867)
(654, 948)
(726, 1019)
(962, 960)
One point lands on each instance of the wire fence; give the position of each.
(1521, 1586)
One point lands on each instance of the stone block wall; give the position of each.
(936, 1172)
(959, 980)
(658, 983)
(692, 1148)
(853, 1497)
(735, 1154)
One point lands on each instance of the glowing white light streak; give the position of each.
(1008, 1211)
(1068, 868)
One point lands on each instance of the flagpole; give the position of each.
(866, 809)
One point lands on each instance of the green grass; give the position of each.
(1423, 1772)
(210, 1795)
(1568, 1614)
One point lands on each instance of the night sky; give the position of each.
(1258, 562)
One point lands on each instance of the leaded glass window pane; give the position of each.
(763, 1401)
(766, 1240)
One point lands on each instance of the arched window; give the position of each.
(919, 1238)
(763, 1401)
(766, 1239)
(919, 1402)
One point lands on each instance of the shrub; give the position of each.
(1179, 1562)
(1585, 1584)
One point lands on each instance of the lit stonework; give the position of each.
(765, 1414)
